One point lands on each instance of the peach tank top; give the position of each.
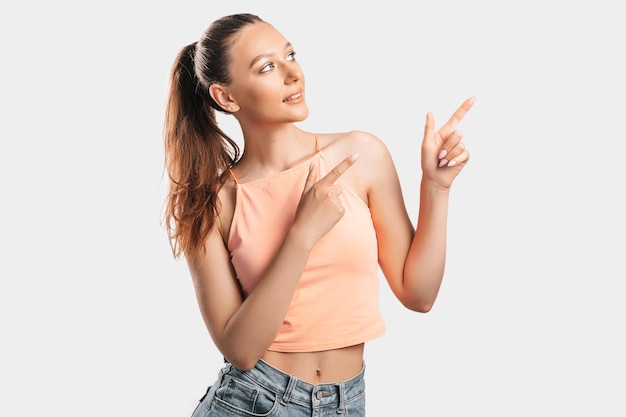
(336, 300)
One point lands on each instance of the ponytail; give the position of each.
(197, 155)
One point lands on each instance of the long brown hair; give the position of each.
(197, 152)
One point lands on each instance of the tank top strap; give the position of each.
(232, 174)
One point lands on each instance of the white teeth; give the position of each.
(295, 96)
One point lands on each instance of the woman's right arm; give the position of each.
(243, 329)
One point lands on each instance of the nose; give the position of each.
(293, 73)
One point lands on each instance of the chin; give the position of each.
(302, 115)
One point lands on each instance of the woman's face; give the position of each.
(268, 83)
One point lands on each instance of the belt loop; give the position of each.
(342, 398)
(290, 386)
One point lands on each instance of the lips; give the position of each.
(292, 97)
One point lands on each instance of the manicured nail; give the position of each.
(452, 163)
(443, 153)
(443, 162)
(354, 157)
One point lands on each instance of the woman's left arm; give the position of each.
(413, 259)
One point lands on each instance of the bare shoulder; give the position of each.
(374, 161)
(337, 146)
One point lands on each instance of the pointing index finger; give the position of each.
(458, 115)
(339, 169)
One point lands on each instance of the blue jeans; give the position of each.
(267, 391)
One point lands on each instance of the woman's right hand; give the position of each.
(320, 206)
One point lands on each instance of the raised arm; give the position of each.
(413, 259)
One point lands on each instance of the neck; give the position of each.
(274, 150)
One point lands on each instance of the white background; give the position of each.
(97, 318)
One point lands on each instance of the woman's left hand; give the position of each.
(443, 152)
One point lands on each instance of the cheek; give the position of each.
(254, 97)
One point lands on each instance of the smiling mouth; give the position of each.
(294, 97)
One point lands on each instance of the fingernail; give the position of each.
(443, 162)
(354, 157)
(443, 153)
(452, 163)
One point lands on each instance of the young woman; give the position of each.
(284, 240)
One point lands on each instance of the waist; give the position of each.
(289, 388)
(319, 367)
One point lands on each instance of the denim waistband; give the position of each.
(292, 389)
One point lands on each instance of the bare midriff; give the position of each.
(319, 367)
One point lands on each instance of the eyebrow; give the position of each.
(268, 54)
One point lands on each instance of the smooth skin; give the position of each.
(267, 96)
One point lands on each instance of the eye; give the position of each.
(266, 67)
(291, 56)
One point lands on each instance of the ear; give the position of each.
(222, 97)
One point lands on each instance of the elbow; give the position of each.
(242, 354)
(420, 308)
(420, 299)
(424, 308)
(242, 362)
(419, 305)
(241, 358)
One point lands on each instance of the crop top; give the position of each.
(335, 303)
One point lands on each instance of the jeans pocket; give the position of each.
(245, 398)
